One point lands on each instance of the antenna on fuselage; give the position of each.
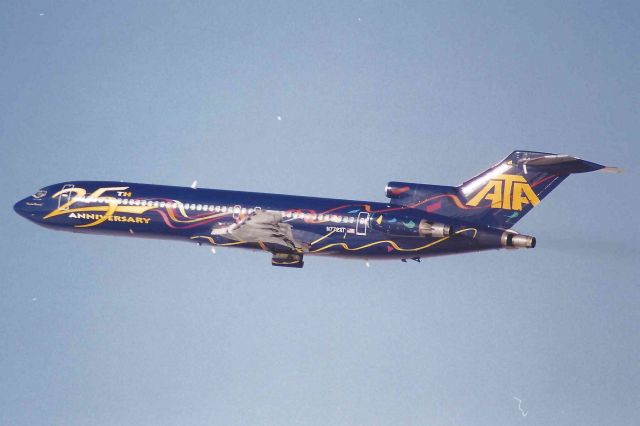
(194, 185)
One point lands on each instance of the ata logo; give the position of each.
(507, 192)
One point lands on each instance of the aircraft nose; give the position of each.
(24, 210)
(18, 207)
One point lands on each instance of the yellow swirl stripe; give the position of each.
(213, 242)
(322, 238)
(392, 243)
(184, 213)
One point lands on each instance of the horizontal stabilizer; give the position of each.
(612, 170)
(558, 163)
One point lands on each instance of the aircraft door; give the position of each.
(236, 211)
(64, 199)
(362, 224)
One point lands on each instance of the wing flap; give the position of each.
(262, 227)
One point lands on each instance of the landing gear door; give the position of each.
(362, 223)
(63, 199)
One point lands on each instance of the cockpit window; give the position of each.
(64, 199)
(40, 194)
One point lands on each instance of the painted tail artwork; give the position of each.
(499, 196)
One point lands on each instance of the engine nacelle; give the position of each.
(514, 240)
(401, 191)
(407, 227)
(395, 190)
(433, 229)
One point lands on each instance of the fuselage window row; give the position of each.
(217, 209)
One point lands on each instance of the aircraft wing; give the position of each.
(263, 227)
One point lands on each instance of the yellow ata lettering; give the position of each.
(523, 194)
(509, 192)
(486, 194)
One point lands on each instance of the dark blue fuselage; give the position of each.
(420, 220)
(318, 225)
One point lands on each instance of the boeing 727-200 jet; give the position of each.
(420, 220)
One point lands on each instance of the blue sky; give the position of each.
(103, 330)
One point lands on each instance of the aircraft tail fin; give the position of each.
(500, 195)
(503, 194)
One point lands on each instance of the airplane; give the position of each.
(418, 221)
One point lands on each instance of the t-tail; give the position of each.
(499, 196)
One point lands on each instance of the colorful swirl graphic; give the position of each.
(343, 245)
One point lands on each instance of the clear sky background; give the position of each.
(105, 331)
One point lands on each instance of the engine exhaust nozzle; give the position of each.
(513, 240)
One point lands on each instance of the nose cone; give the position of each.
(20, 207)
(26, 208)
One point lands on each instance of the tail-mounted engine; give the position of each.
(433, 229)
(410, 227)
(514, 240)
(406, 193)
